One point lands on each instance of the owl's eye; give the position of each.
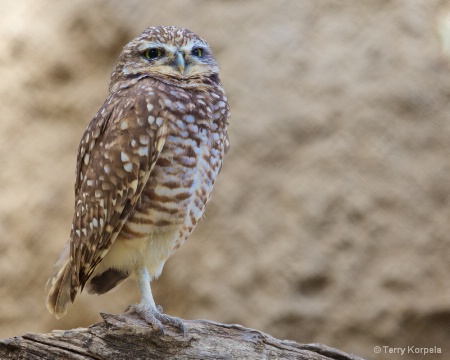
(153, 53)
(197, 52)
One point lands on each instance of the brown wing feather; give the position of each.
(117, 171)
(116, 155)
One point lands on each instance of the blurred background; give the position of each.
(330, 221)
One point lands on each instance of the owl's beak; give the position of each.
(179, 61)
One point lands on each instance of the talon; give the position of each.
(155, 318)
(177, 322)
(161, 330)
(148, 315)
(183, 328)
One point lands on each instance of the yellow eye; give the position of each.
(153, 53)
(198, 52)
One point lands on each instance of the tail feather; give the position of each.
(63, 289)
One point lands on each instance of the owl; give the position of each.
(146, 166)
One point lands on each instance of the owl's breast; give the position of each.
(181, 181)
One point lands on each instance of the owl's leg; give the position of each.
(147, 308)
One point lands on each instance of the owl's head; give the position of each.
(173, 54)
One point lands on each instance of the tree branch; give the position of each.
(129, 337)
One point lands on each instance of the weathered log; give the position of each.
(128, 337)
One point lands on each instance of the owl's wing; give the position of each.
(115, 158)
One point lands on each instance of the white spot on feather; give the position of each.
(143, 151)
(189, 119)
(128, 167)
(124, 157)
(181, 124)
(144, 139)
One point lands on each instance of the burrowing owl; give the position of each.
(146, 167)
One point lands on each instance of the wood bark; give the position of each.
(128, 337)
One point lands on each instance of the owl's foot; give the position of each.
(155, 317)
(147, 308)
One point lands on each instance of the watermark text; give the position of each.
(407, 350)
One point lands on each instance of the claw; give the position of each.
(177, 322)
(155, 318)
